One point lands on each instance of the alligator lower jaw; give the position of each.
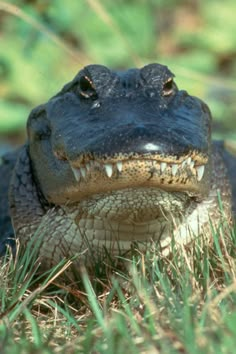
(133, 205)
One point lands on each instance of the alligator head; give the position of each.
(107, 131)
(126, 148)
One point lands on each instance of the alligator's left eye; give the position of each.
(87, 90)
(168, 87)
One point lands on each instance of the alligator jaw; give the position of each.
(109, 168)
(92, 177)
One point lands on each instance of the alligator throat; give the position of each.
(132, 214)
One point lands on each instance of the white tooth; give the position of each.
(184, 163)
(200, 172)
(119, 166)
(83, 172)
(87, 166)
(174, 169)
(192, 164)
(76, 172)
(163, 166)
(189, 160)
(108, 169)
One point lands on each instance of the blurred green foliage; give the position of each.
(44, 43)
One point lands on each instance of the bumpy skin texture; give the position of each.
(7, 234)
(117, 160)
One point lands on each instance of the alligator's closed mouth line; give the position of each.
(109, 168)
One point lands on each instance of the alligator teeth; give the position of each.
(76, 172)
(174, 169)
(189, 162)
(119, 166)
(200, 172)
(88, 166)
(108, 169)
(83, 172)
(192, 164)
(163, 166)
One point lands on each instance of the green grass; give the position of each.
(185, 303)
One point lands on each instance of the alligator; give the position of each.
(116, 160)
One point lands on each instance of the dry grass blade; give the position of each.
(222, 295)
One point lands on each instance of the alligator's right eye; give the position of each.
(87, 89)
(168, 87)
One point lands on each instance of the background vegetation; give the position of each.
(44, 43)
(181, 304)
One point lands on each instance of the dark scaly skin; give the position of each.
(68, 177)
(7, 165)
